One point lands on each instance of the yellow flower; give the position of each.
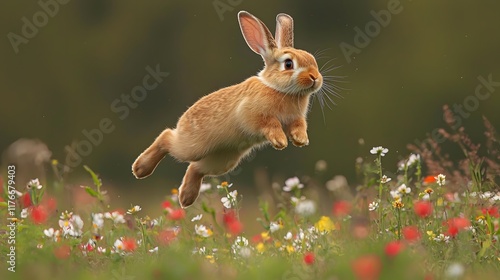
(277, 243)
(398, 204)
(265, 236)
(429, 191)
(431, 235)
(174, 191)
(324, 224)
(439, 201)
(290, 249)
(224, 184)
(210, 258)
(260, 247)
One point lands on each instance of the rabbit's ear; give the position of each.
(284, 31)
(256, 34)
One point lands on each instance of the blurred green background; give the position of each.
(87, 54)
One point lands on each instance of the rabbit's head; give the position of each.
(287, 70)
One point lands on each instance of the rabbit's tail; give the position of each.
(146, 163)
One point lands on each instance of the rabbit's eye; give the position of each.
(288, 64)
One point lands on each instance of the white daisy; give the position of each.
(379, 150)
(292, 183)
(197, 218)
(305, 207)
(441, 179)
(134, 209)
(202, 231)
(373, 206)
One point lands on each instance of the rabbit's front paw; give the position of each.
(279, 141)
(299, 138)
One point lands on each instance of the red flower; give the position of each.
(309, 258)
(341, 208)
(233, 225)
(367, 267)
(411, 233)
(129, 244)
(393, 248)
(166, 236)
(492, 211)
(50, 203)
(456, 224)
(62, 252)
(429, 179)
(257, 238)
(177, 214)
(26, 200)
(166, 205)
(39, 214)
(423, 208)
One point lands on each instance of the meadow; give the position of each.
(436, 217)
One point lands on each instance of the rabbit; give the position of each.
(221, 128)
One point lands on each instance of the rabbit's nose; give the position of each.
(312, 77)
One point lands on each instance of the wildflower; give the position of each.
(115, 216)
(309, 258)
(411, 233)
(101, 250)
(403, 189)
(398, 204)
(373, 206)
(491, 211)
(97, 220)
(134, 210)
(24, 213)
(205, 187)
(166, 205)
(230, 200)
(288, 236)
(324, 225)
(455, 271)
(429, 180)
(305, 207)
(396, 195)
(224, 185)
(431, 234)
(240, 247)
(385, 179)
(197, 218)
(154, 250)
(413, 159)
(177, 214)
(338, 183)
(379, 151)
(291, 184)
(26, 200)
(273, 226)
(39, 214)
(456, 224)
(35, 183)
(481, 220)
(441, 180)
(232, 223)
(73, 226)
(367, 267)
(442, 238)
(341, 208)
(423, 208)
(51, 233)
(260, 247)
(125, 244)
(202, 231)
(393, 248)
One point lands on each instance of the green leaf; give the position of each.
(486, 245)
(91, 192)
(96, 179)
(3, 204)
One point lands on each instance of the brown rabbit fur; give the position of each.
(221, 128)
